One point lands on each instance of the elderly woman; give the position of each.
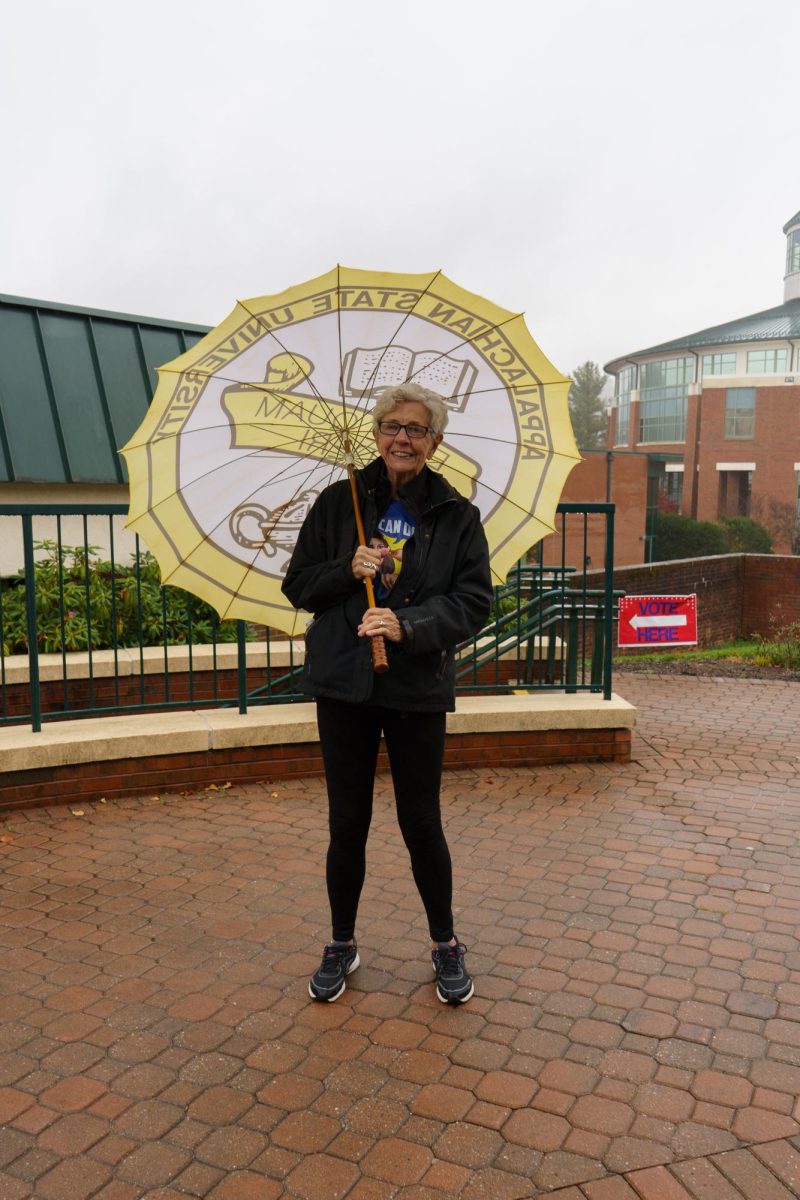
(440, 594)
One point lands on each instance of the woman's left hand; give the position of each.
(381, 622)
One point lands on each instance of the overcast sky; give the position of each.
(620, 171)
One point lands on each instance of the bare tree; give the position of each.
(781, 518)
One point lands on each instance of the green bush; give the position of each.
(125, 607)
(676, 536)
(746, 536)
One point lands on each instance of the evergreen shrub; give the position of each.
(82, 602)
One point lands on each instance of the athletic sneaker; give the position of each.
(453, 984)
(338, 960)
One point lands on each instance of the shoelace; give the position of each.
(333, 954)
(450, 960)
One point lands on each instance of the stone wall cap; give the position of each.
(141, 735)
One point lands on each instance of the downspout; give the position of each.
(609, 449)
(638, 391)
(695, 481)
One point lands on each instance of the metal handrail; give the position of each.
(547, 602)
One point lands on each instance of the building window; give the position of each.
(662, 400)
(793, 252)
(720, 364)
(672, 491)
(626, 382)
(767, 362)
(735, 490)
(663, 377)
(662, 420)
(740, 412)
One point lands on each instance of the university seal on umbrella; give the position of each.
(248, 427)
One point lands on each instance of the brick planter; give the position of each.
(121, 756)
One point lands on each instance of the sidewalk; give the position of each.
(633, 930)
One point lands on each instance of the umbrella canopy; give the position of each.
(248, 427)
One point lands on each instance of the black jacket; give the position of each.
(443, 593)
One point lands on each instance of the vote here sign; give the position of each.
(658, 621)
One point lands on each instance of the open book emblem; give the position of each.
(373, 370)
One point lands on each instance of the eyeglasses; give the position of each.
(414, 431)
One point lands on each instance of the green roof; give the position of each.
(773, 324)
(74, 385)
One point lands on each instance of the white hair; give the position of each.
(409, 392)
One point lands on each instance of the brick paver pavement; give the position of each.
(635, 1033)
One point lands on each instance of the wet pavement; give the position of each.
(633, 932)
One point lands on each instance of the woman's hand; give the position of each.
(381, 622)
(367, 560)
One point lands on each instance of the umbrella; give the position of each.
(249, 425)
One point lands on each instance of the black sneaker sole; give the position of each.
(456, 1000)
(330, 999)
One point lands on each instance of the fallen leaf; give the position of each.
(273, 794)
(155, 797)
(6, 838)
(212, 787)
(225, 786)
(102, 800)
(77, 812)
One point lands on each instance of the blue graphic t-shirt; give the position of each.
(394, 529)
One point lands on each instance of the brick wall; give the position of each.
(184, 772)
(587, 482)
(737, 594)
(771, 592)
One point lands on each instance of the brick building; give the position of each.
(718, 414)
(622, 479)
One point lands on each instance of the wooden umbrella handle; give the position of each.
(380, 660)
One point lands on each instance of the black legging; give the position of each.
(350, 737)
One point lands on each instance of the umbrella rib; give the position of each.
(263, 386)
(339, 332)
(255, 387)
(366, 393)
(493, 440)
(285, 350)
(278, 448)
(469, 342)
(509, 387)
(209, 535)
(278, 476)
(325, 403)
(528, 512)
(186, 433)
(235, 593)
(343, 400)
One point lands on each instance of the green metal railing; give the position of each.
(548, 630)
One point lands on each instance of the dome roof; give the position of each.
(773, 324)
